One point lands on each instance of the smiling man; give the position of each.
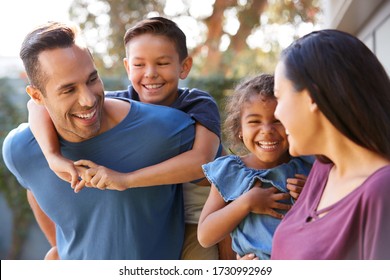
(140, 223)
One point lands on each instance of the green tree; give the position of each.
(13, 112)
(107, 20)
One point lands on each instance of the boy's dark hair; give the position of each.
(49, 36)
(262, 85)
(162, 27)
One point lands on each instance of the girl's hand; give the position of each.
(295, 185)
(247, 257)
(266, 200)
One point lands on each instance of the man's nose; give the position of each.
(87, 97)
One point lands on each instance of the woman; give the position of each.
(334, 101)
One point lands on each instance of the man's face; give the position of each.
(74, 92)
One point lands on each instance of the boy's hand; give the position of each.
(100, 177)
(266, 200)
(295, 185)
(64, 169)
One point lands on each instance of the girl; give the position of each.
(236, 203)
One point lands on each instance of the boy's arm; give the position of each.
(182, 168)
(44, 132)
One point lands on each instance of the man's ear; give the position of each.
(186, 66)
(35, 94)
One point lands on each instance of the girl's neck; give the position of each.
(251, 161)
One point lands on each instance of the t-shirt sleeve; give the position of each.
(9, 151)
(202, 107)
(376, 218)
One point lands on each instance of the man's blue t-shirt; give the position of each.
(139, 223)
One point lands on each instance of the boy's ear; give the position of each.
(126, 64)
(35, 94)
(186, 66)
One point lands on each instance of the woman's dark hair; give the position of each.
(347, 82)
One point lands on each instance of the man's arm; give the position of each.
(47, 226)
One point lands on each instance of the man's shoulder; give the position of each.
(20, 132)
(17, 144)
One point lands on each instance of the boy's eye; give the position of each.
(93, 79)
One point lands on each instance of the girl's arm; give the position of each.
(182, 168)
(219, 218)
(44, 132)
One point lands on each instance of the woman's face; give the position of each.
(296, 112)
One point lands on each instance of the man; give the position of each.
(140, 223)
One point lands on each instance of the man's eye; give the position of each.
(68, 90)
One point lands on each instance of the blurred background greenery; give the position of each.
(228, 39)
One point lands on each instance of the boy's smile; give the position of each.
(154, 68)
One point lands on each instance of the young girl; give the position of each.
(249, 194)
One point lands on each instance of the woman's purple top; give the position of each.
(356, 227)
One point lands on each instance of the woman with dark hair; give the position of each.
(334, 101)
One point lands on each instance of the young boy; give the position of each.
(156, 58)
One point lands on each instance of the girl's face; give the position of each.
(262, 134)
(295, 111)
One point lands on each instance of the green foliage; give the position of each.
(13, 112)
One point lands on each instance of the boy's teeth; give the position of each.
(153, 86)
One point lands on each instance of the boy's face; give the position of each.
(74, 93)
(154, 68)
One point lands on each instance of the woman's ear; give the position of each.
(35, 94)
(310, 101)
